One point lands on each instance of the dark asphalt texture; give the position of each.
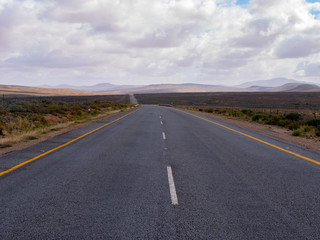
(113, 184)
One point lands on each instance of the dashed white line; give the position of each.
(173, 193)
(164, 136)
(161, 123)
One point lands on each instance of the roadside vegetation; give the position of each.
(296, 111)
(304, 125)
(26, 119)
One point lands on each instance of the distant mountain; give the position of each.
(275, 82)
(296, 87)
(171, 88)
(101, 87)
(107, 88)
(37, 91)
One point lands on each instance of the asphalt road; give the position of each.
(160, 173)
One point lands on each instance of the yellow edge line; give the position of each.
(257, 139)
(61, 146)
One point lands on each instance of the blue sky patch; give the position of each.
(314, 12)
(242, 2)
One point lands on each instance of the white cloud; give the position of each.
(149, 41)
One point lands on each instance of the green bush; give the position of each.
(294, 116)
(282, 123)
(313, 122)
(258, 116)
(94, 113)
(31, 138)
(16, 108)
(76, 112)
(297, 133)
(307, 128)
(247, 112)
(273, 119)
(40, 118)
(293, 125)
(237, 114)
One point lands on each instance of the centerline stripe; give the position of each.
(63, 145)
(172, 187)
(163, 136)
(256, 139)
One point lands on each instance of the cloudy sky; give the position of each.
(158, 41)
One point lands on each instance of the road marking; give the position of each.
(164, 136)
(173, 193)
(161, 123)
(63, 145)
(256, 139)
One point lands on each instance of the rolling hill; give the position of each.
(37, 91)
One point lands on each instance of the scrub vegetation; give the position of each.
(296, 111)
(24, 119)
(301, 124)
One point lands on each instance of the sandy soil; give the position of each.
(44, 137)
(273, 131)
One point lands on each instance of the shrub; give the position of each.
(94, 113)
(16, 108)
(297, 133)
(220, 111)
(257, 116)
(294, 116)
(40, 118)
(293, 125)
(237, 114)
(247, 112)
(273, 119)
(31, 138)
(307, 128)
(313, 122)
(76, 112)
(282, 123)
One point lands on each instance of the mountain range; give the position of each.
(271, 85)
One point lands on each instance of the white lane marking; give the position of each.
(164, 136)
(173, 193)
(161, 123)
(159, 116)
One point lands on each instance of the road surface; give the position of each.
(161, 173)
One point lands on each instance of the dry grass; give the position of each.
(30, 135)
(16, 137)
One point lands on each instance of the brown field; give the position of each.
(278, 100)
(9, 99)
(36, 91)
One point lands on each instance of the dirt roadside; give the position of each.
(273, 131)
(51, 134)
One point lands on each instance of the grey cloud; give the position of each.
(169, 37)
(11, 16)
(309, 69)
(41, 57)
(232, 59)
(263, 6)
(256, 35)
(297, 46)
